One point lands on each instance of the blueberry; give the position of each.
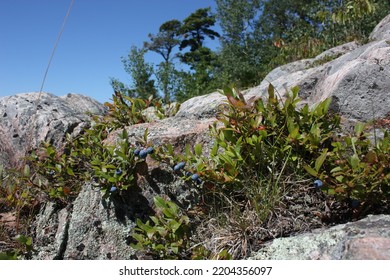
(355, 203)
(195, 177)
(143, 154)
(136, 151)
(113, 189)
(188, 174)
(150, 150)
(179, 166)
(52, 173)
(318, 184)
(118, 172)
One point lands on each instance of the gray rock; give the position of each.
(90, 228)
(367, 239)
(51, 232)
(27, 119)
(382, 30)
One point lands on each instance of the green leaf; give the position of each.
(359, 128)
(160, 202)
(340, 178)
(174, 225)
(175, 248)
(214, 150)
(354, 161)
(112, 179)
(155, 220)
(146, 135)
(271, 91)
(198, 149)
(138, 237)
(320, 160)
(310, 170)
(326, 104)
(336, 169)
(70, 171)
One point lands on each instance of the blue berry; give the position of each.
(195, 177)
(118, 172)
(188, 174)
(113, 189)
(179, 166)
(150, 150)
(143, 154)
(355, 203)
(318, 184)
(136, 151)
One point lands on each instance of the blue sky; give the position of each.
(98, 33)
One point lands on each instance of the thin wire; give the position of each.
(55, 46)
(29, 145)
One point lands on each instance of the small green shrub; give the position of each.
(125, 110)
(356, 170)
(167, 235)
(256, 145)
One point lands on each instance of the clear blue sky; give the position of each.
(98, 33)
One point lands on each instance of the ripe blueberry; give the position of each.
(188, 174)
(150, 150)
(136, 151)
(118, 172)
(143, 154)
(113, 189)
(318, 184)
(179, 166)
(195, 177)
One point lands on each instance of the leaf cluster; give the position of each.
(166, 235)
(355, 170)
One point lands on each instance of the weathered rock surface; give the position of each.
(29, 118)
(91, 228)
(382, 30)
(367, 239)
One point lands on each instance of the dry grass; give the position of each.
(242, 230)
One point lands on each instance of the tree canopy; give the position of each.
(257, 36)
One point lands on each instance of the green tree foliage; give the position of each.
(164, 43)
(201, 59)
(196, 28)
(166, 39)
(259, 35)
(240, 53)
(141, 73)
(169, 81)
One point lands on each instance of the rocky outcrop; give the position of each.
(367, 239)
(382, 30)
(95, 228)
(27, 119)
